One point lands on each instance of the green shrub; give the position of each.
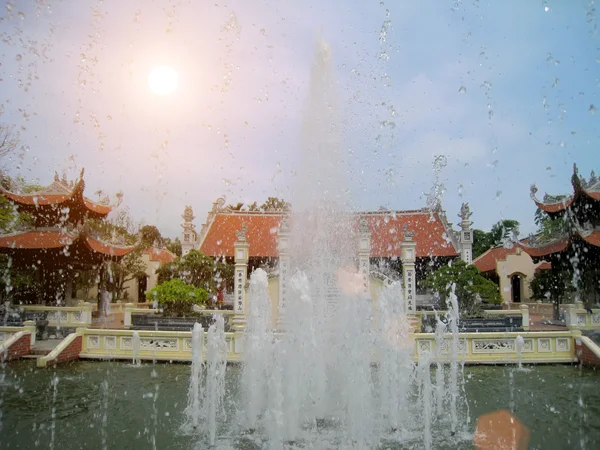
(471, 287)
(176, 298)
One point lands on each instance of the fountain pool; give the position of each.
(547, 400)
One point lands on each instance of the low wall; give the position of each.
(577, 318)
(17, 345)
(7, 332)
(588, 352)
(65, 316)
(68, 350)
(154, 345)
(500, 348)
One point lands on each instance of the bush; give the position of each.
(176, 298)
(471, 287)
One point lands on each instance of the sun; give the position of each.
(163, 80)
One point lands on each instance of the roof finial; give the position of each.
(241, 235)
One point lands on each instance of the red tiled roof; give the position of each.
(49, 239)
(554, 207)
(42, 199)
(386, 234)
(544, 265)
(36, 240)
(593, 238)
(487, 261)
(106, 249)
(261, 235)
(161, 255)
(553, 247)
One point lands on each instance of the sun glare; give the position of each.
(163, 80)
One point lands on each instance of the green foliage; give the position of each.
(150, 236)
(271, 204)
(470, 286)
(503, 230)
(174, 246)
(482, 242)
(550, 227)
(176, 297)
(198, 270)
(553, 285)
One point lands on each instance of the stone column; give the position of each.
(283, 247)
(241, 254)
(525, 316)
(364, 255)
(409, 257)
(466, 234)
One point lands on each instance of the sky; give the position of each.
(503, 94)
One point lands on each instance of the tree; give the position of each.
(176, 297)
(550, 227)
(503, 230)
(128, 268)
(470, 286)
(551, 285)
(174, 246)
(150, 236)
(482, 242)
(198, 270)
(9, 141)
(275, 204)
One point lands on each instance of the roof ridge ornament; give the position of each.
(284, 225)
(241, 234)
(408, 235)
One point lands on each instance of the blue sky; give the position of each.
(74, 81)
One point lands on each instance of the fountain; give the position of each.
(136, 344)
(316, 381)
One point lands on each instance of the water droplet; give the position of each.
(21, 15)
(546, 8)
(19, 57)
(556, 81)
(490, 114)
(263, 31)
(462, 90)
(592, 109)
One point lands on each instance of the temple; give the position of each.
(58, 241)
(575, 245)
(387, 232)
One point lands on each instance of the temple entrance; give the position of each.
(515, 282)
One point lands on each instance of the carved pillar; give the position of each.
(241, 254)
(466, 234)
(364, 255)
(409, 257)
(283, 247)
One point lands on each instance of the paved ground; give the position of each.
(114, 321)
(536, 324)
(45, 347)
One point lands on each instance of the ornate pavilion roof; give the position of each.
(60, 200)
(563, 243)
(76, 248)
(431, 232)
(583, 190)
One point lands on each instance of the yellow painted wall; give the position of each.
(522, 264)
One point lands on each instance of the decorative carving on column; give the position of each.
(364, 254)
(283, 247)
(409, 257)
(241, 255)
(466, 234)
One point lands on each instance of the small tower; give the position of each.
(466, 234)
(189, 236)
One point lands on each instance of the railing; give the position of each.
(131, 309)
(119, 307)
(7, 332)
(523, 312)
(64, 316)
(154, 345)
(578, 318)
(501, 348)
